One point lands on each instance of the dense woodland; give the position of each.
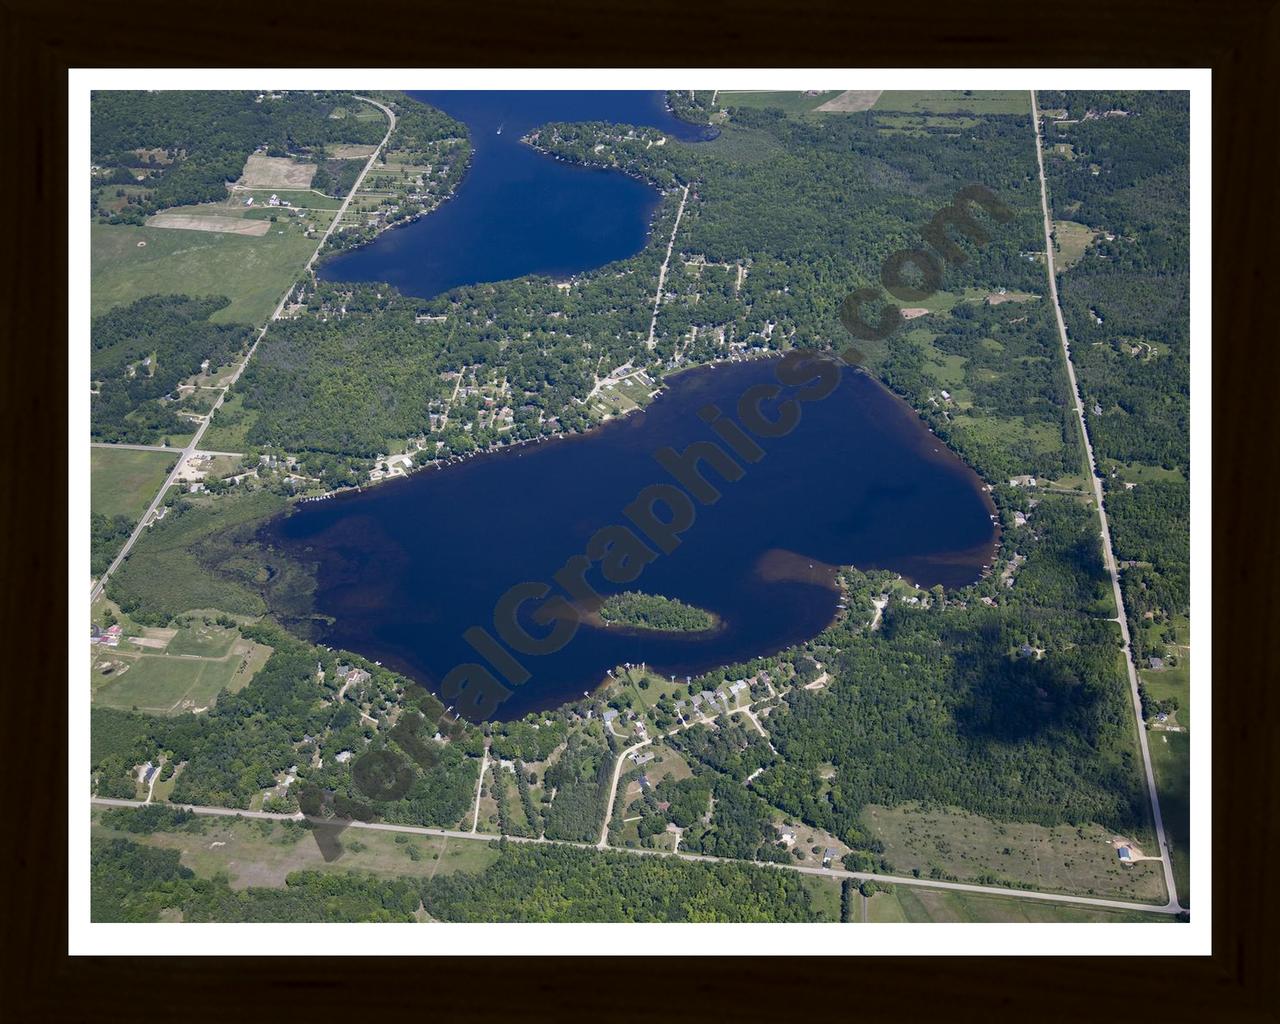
(142, 352)
(557, 883)
(652, 611)
(1127, 304)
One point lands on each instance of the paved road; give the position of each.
(186, 453)
(861, 876)
(1108, 555)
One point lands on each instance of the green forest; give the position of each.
(556, 883)
(1127, 306)
(655, 612)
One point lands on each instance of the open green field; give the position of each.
(917, 904)
(252, 271)
(263, 853)
(163, 684)
(956, 101)
(970, 848)
(122, 482)
(1072, 240)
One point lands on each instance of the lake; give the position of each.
(518, 211)
(405, 568)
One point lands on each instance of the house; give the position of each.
(343, 756)
(644, 780)
(738, 687)
(789, 836)
(1125, 854)
(609, 716)
(274, 200)
(1156, 663)
(946, 395)
(1026, 480)
(1026, 651)
(828, 855)
(640, 758)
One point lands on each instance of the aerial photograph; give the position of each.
(679, 506)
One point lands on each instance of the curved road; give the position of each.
(185, 453)
(1108, 555)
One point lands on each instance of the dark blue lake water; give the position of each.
(404, 569)
(517, 211)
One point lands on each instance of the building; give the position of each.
(828, 855)
(1125, 854)
(1156, 663)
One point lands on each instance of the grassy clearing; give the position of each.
(252, 272)
(204, 641)
(970, 848)
(123, 482)
(916, 904)
(263, 853)
(825, 894)
(956, 101)
(1071, 240)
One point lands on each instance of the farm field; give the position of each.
(955, 101)
(252, 271)
(263, 853)
(122, 482)
(166, 683)
(968, 847)
(915, 905)
(262, 171)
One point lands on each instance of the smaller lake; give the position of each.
(405, 568)
(518, 211)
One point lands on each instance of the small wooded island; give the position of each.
(652, 611)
